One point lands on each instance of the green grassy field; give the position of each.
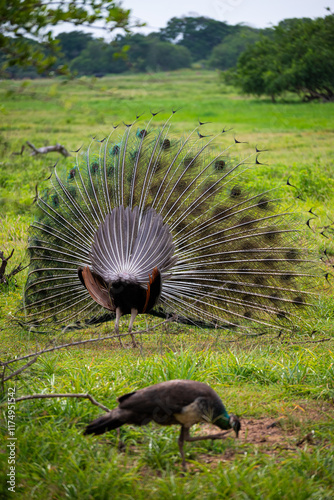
(283, 388)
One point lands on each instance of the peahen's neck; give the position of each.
(223, 421)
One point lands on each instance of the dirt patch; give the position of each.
(271, 436)
(267, 434)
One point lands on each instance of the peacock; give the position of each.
(146, 222)
(182, 402)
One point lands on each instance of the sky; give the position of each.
(255, 13)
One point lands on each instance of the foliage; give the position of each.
(225, 55)
(25, 20)
(198, 34)
(135, 53)
(72, 44)
(164, 56)
(98, 58)
(298, 57)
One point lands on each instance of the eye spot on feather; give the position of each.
(233, 287)
(180, 227)
(181, 185)
(235, 192)
(248, 246)
(94, 167)
(292, 254)
(219, 165)
(141, 133)
(220, 212)
(269, 260)
(165, 144)
(274, 298)
(271, 234)
(209, 188)
(263, 203)
(72, 191)
(72, 173)
(246, 221)
(115, 150)
(188, 161)
(55, 200)
(298, 300)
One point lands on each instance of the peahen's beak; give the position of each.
(235, 424)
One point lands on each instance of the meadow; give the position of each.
(281, 387)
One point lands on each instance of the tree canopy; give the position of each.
(225, 55)
(297, 56)
(198, 34)
(24, 21)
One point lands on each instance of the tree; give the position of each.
(24, 20)
(98, 58)
(298, 57)
(149, 53)
(198, 34)
(226, 54)
(164, 56)
(72, 44)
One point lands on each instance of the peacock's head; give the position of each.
(235, 424)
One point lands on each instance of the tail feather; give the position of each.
(105, 423)
(225, 255)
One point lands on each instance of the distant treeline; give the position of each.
(295, 56)
(182, 43)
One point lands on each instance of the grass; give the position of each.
(283, 389)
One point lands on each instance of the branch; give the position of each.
(24, 367)
(67, 395)
(58, 148)
(78, 342)
(4, 278)
(4, 263)
(311, 341)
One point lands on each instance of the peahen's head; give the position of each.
(235, 424)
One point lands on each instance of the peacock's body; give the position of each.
(145, 223)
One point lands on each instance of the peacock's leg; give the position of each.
(118, 317)
(134, 313)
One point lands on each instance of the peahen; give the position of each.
(182, 402)
(146, 223)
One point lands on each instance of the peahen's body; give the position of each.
(175, 402)
(145, 223)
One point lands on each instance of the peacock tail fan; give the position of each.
(146, 207)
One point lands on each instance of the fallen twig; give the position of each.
(311, 341)
(66, 395)
(20, 370)
(58, 148)
(4, 278)
(309, 438)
